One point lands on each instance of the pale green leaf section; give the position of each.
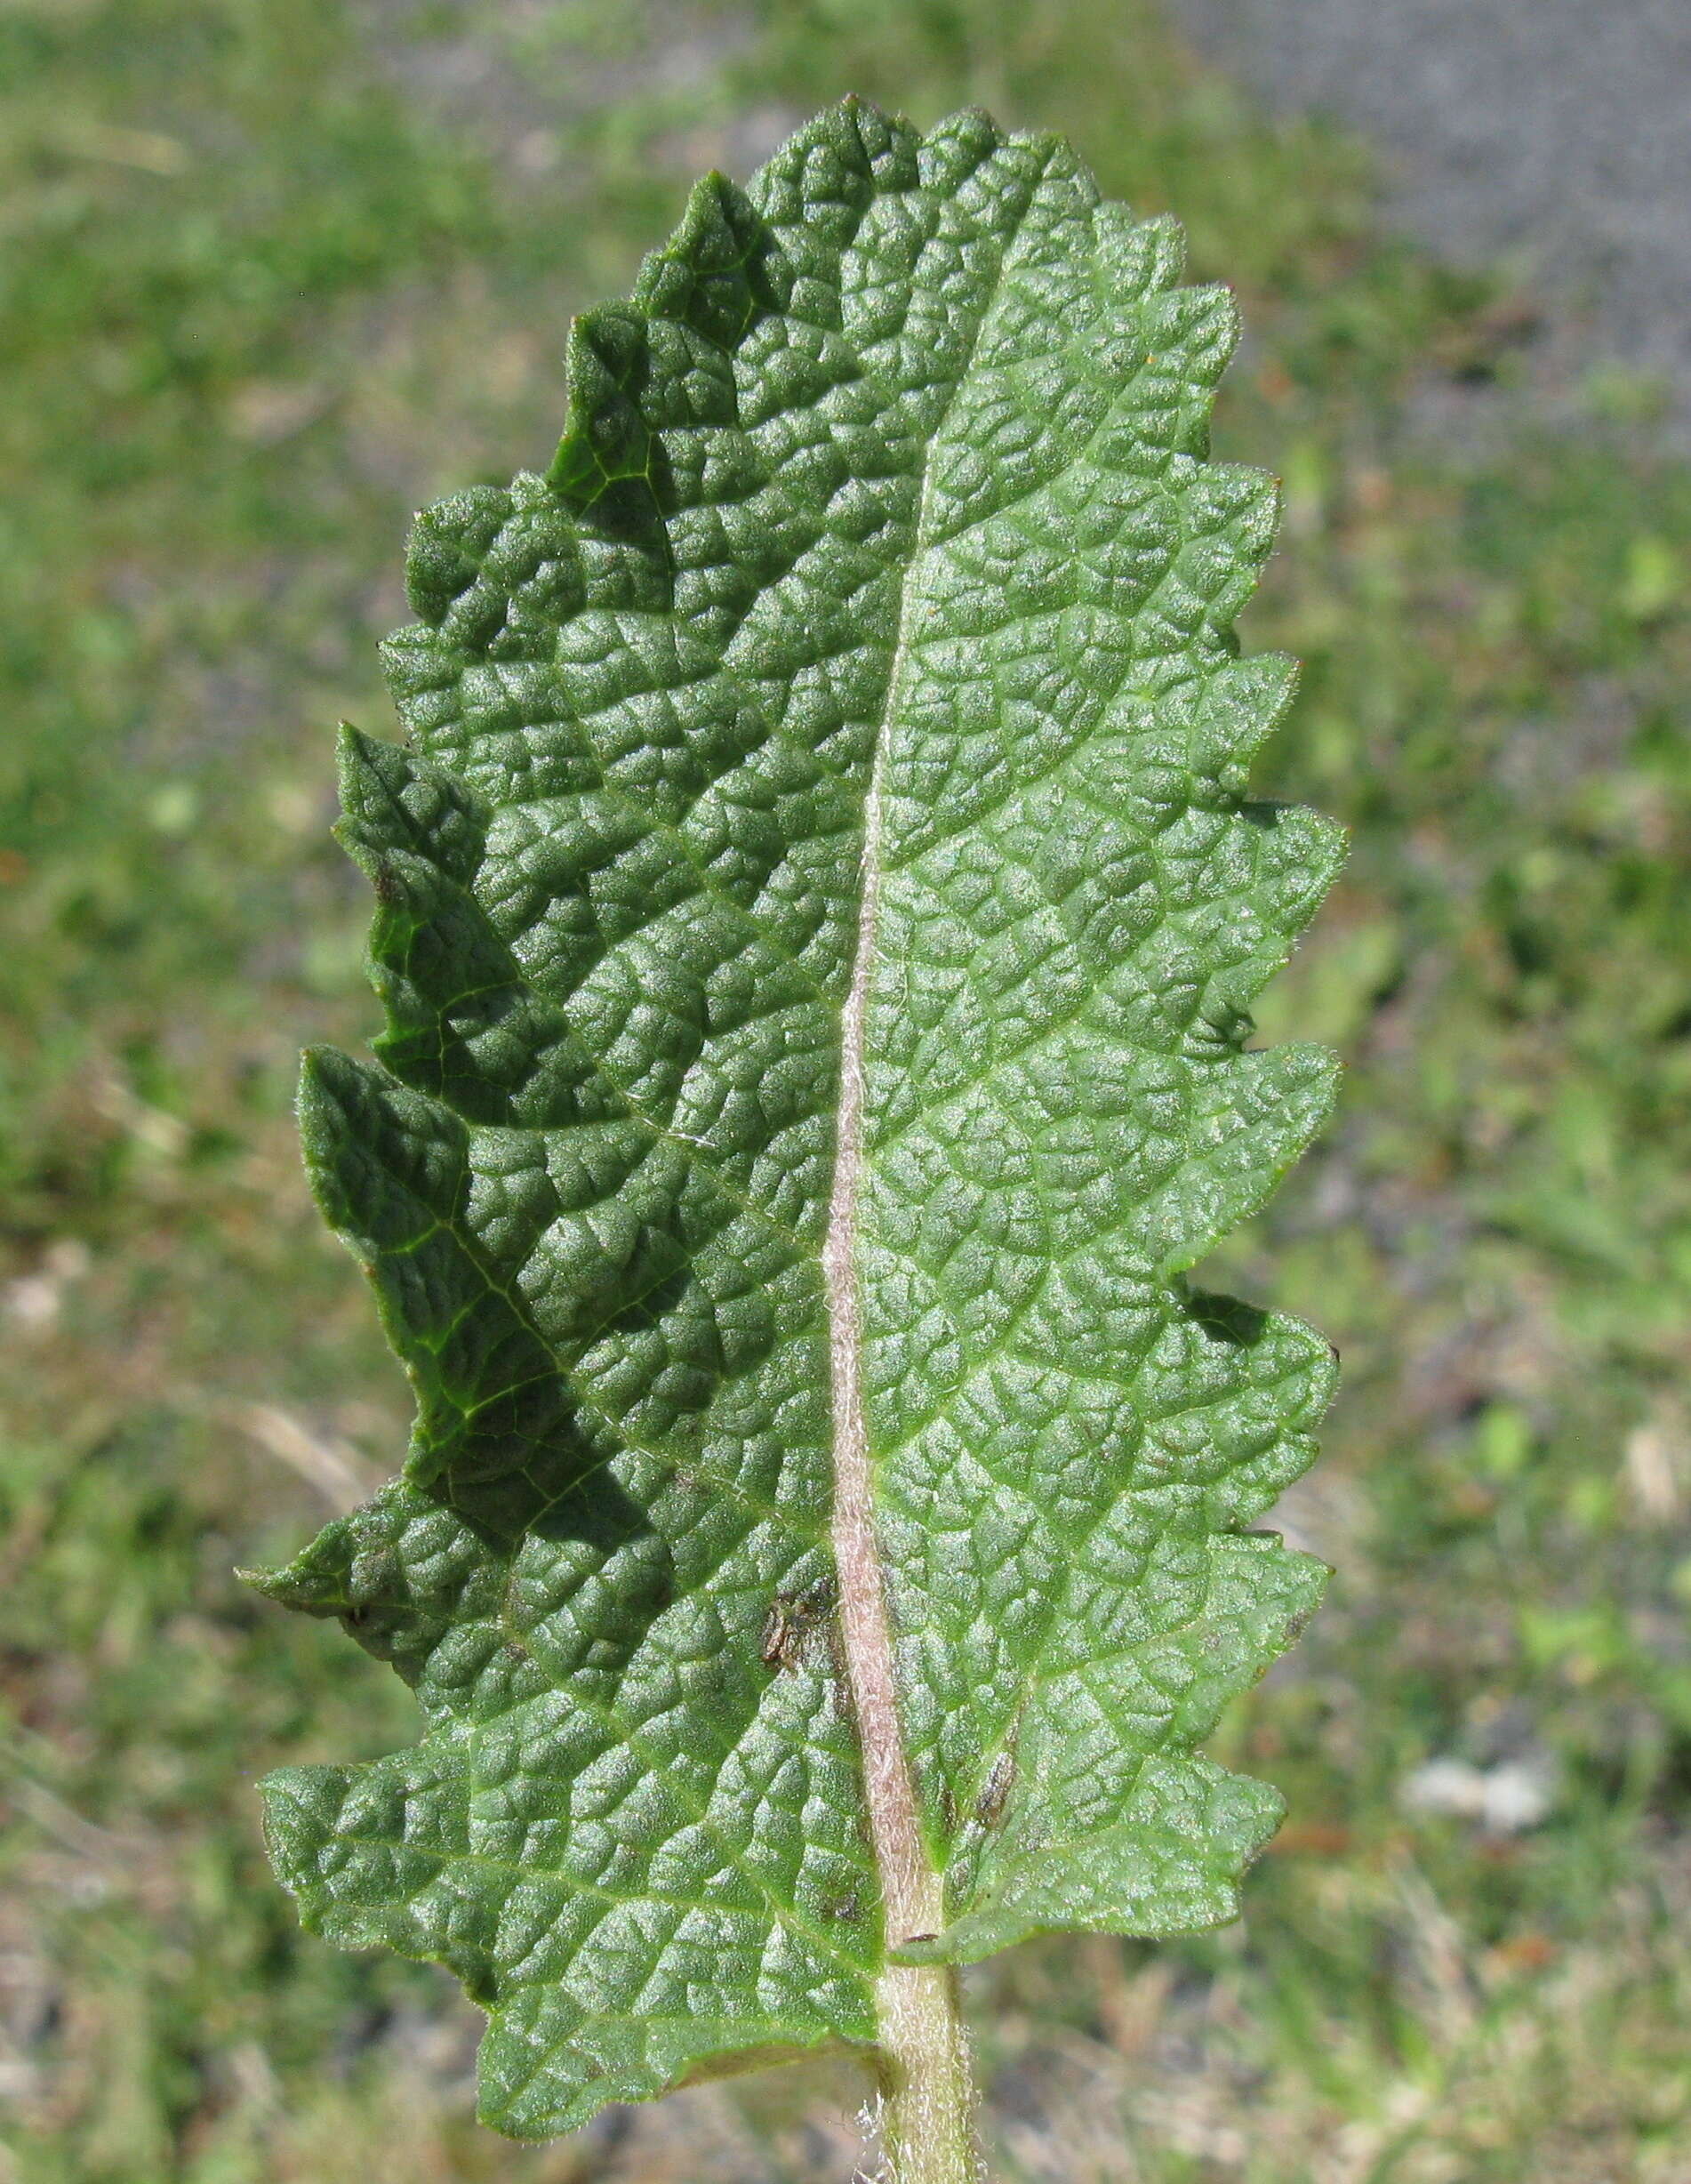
(881, 547)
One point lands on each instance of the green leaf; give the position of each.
(818, 913)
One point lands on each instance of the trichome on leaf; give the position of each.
(817, 917)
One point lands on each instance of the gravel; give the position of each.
(1555, 134)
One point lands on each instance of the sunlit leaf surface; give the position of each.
(851, 710)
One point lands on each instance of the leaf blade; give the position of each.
(872, 616)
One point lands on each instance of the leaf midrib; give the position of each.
(912, 1888)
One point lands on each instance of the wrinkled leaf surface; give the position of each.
(875, 611)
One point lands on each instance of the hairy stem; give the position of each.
(928, 2116)
(927, 2121)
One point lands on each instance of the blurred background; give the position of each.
(274, 272)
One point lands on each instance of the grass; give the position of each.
(278, 271)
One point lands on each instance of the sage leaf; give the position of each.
(817, 915)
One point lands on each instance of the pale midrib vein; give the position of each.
(913, 1891)
(909, 1886)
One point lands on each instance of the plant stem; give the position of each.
(929, 2098)
(928, 2119)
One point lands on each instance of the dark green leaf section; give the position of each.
(886, 494)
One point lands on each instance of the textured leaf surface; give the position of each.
(872, 622)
